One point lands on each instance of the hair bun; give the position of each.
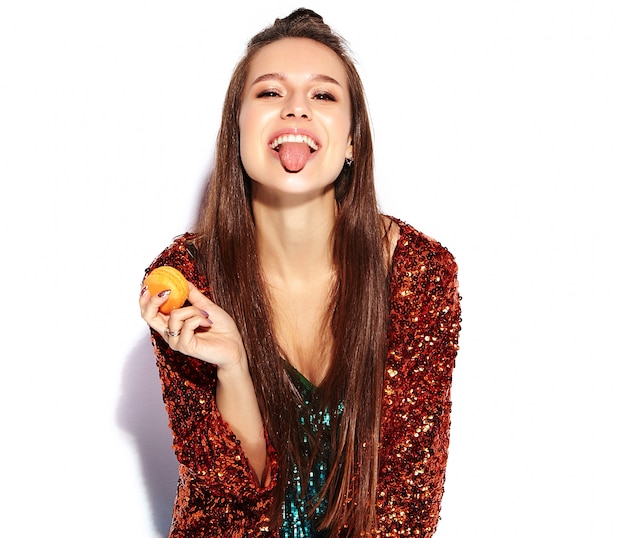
(300, 14)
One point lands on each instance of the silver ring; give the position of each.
(171, 333)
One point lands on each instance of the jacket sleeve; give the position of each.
(202, 441)
(423, 343)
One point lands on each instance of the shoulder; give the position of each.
(424, 295)
(415, 251)
(181, 254)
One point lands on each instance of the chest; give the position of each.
(301, 320)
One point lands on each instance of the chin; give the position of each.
(298, 188)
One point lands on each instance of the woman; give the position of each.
(315, 399)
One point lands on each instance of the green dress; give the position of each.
(303, 492)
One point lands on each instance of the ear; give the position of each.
(349, 149)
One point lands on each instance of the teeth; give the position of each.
(294, 138)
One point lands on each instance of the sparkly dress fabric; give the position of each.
(218, 494)
(314, 423)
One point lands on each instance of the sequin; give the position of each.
(218, 494)
(298, 499)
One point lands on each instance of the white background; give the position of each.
(500, 130)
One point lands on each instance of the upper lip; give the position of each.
(294, 135)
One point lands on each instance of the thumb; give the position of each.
(198, 299)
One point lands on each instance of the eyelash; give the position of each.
(324, 96)
(319, 96)
(269, 93)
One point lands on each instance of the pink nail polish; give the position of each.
(164, 293)
(143, 290)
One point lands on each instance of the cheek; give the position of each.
(244, 121)
(246, 136)
(342, 126)
(342, 123)
(249, 155)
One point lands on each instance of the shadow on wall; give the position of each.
(141, 413)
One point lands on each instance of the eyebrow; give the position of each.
(282, 77)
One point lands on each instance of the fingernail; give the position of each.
(164, 293)
(143, 290)
(206, 315)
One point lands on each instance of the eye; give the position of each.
(269, 93)
(324, 96)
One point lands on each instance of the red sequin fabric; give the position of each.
(218, 495)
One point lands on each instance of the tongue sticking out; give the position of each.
(294, 155)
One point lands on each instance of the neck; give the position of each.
(294, 237)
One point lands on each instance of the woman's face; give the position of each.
(295, 117)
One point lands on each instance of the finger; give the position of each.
(182, 327)
(169, 333)
(182, 316)
(198, 299)
(149, 306)
(153, 301)
(144, 297)
(201, 301)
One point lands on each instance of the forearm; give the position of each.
(237, 403)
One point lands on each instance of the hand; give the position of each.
(202, 330)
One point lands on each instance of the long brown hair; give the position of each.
(359, 303)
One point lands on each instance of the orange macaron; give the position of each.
(168, 278)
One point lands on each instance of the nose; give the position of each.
(296, 106)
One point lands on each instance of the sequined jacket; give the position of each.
(218, 494)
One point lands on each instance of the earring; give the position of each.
(348, 162)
